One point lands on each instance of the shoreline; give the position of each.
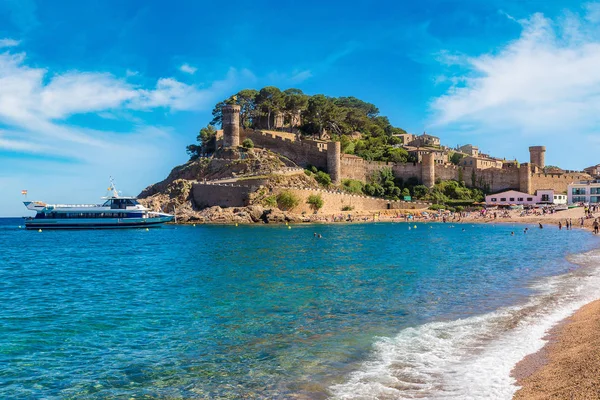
(399, 216)
(568, 366)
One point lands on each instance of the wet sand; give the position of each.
(568, 367)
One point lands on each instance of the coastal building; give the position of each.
(439, 156)
(515, 197)
(405, 137)
(593, 170)
(469, 150)
(425, 140)
(480, 162)
(584, 192)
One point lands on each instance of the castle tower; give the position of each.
(334, 161)
(428, 169)
(537, 156)
(525, 178)
(231, 125)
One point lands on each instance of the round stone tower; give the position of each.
(525, 178)
(334, 161)
(428, 169)
(537, 156)
(231, 125)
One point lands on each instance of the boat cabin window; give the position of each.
(120, 204)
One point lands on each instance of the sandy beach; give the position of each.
(568, 367)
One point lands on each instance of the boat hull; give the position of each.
(97, 223)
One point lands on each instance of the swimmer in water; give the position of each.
(512, 234)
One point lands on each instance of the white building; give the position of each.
(584, 192)
(542, 196)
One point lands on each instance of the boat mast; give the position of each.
(112, 188)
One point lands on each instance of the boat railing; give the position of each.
(73, 205)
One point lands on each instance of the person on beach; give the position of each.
(541, 226)
(559, 226)
(595, 226)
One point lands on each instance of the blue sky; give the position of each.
(106, 88)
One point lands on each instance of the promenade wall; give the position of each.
(333, 201)
(235, 195)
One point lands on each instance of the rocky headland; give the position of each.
(259, 168)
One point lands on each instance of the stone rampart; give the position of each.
(494, 179)
(303, 153)
(223, 195)
(558, 182)
(448, 172)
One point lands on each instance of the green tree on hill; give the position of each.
(205, 142)
(295, 102)
(270, 100)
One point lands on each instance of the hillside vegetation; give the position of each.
(354, 122)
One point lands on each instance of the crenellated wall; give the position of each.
(312, 152)
(303, 153)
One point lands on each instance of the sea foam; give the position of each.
(472, 358)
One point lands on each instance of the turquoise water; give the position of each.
(248, 311)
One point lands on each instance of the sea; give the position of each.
(342, 311)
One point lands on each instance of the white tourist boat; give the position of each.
(115, 212)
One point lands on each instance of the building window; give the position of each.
(595, 199)
(519, 199)
(503, 199)
(595, 190)
(578, 190)
(579, 199)
(512, 199)
(530, 199)
(494, 199)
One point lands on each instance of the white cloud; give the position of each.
(37, 102)
(9, 42)
(545, 84)
(188, 69)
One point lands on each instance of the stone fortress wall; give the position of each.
(528, 178)
(236, 195)
(303, 153)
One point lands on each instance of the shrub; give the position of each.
(347, 208)
(308, 172)
(420, 191)
(313, 169)
(287, 200)
(315, 201)
(353, 186)
(248, 143)
(270, 201)
(323, 178)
